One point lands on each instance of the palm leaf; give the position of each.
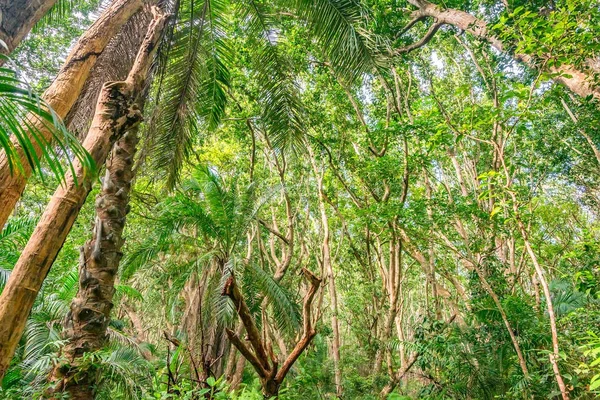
(22, 116)
(286, 311)
(192, 93)
(282, 113)
(339, 27)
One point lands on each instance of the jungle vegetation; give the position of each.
(299, 199)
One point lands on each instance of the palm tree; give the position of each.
(209, 219)
(196, 54)
(116, 113)
(60, 97)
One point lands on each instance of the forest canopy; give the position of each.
(299, 199)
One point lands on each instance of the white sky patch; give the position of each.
(437, 63)
(273, 36)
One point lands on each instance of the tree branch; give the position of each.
(233, 292)
(422, 42)
(309, 331)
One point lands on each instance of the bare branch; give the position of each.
(309, 331)
(233, 292)
(422, 42)
(247, 353)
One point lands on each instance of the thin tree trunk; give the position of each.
(507, 324)
(62, 94)
(17, 18)
(328, 269)
(116, 113)
(555, 356)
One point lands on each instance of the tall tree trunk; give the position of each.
(17, 18)
(555, 355)
(328, 268)
(116, 113)
(86, 323)
(62, 94)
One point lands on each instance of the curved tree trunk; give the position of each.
(62, 94)
(578, 81)
(17, 18)
(116, 113)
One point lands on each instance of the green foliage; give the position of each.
(448, 174)
(23, 116)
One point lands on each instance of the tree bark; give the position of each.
(328, 268)
(116, 113)
(89, 315)
(579, 82)
(260, 353)
(17, 18)
(555, 355)
(62, 94)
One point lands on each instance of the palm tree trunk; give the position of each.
(17, 18)
(87, 321)
(62, 94)
(116, 113)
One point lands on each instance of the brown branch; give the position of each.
(231, 290)
(416, 17)
(309, 331)
(274, 231)
(247, 353)
(422, 42)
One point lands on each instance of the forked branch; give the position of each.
(259, 353)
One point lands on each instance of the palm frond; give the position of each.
(129, 291)
(286, 311)
(339, 27)
(16, 232)
(224, 308)
(67, 286)
(116, 336)
(192, 93)
(23, 116)
(121, 370)
(142, 254)
(4, 274)
(282, 113)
